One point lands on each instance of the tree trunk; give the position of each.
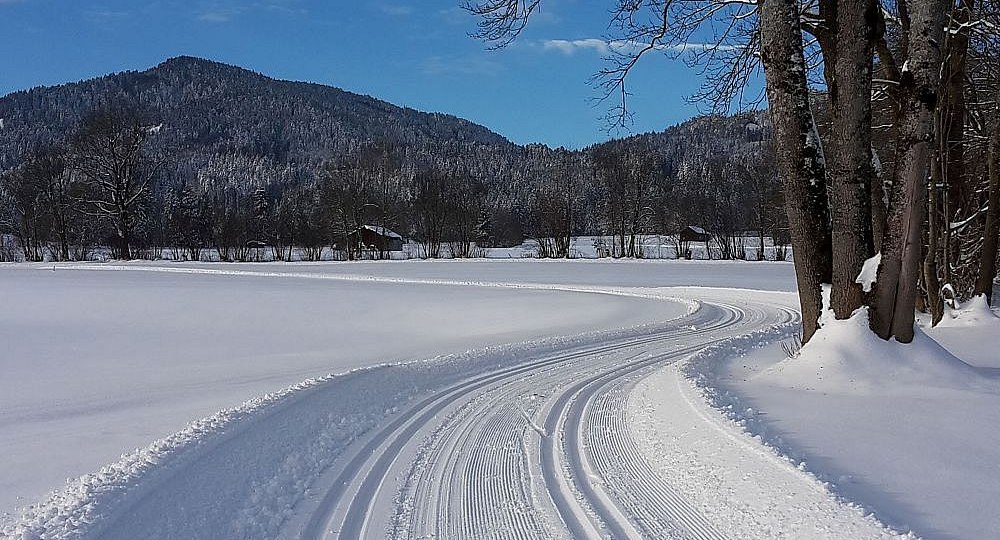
(953, 111)
(877, 202)
(797, 157)
(847, 51)
(991, 234)
(930, 275)
(892, 312)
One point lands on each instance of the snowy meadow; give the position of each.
(102, 359)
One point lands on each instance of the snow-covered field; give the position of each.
(96, 363)
(909, 432)
(569, 398)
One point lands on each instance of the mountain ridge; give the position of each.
(231, 109)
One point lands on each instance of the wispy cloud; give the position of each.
(442, 65)
(604, 47)
(103, 16)
(454, 15)
(396, 10)
(224, 12)
(218, 15)
(567, 46)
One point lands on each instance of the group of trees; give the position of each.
(906, 65)
(111, 182)
(59, 198)
(230, 161)
(886, 128)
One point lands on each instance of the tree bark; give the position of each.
(991, 233)
(892, 312)
(848, 47)
(797, 157)
(953, 111)
(930, 270)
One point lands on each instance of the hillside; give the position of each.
(210, 109)
(233, 142)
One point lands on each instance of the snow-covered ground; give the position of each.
(908, 432)
(97, 363)
(663, 410)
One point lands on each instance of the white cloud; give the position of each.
(443, 65)
(217, 16)
(604, 47)
(566, 46)
(396, 10)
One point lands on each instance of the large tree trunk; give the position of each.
(892, 312)
(930, 270)
(848, 47)
(991, 234)
(953, 111)
(953, 193)
(797, 156)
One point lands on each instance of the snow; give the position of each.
(869, 272)
(381, 231)
(975, 313)
(901, 430)
(98, 363)
(749, 490)
(542, 398)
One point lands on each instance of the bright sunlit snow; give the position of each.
(650, 417)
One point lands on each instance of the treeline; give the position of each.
(109, 183)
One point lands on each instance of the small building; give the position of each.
(694, 234)
(374, 238)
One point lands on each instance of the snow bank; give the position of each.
(902, 430)
(739, 478)
(975, 312)
(845, 357)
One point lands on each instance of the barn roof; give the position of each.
(381, 231)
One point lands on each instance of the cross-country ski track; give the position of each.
(533, 440)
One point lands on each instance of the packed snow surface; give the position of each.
(906, 431)
(96, 363)
(523, 398)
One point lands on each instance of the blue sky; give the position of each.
(409, 52)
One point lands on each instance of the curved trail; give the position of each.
(527, 444)
(537, 451)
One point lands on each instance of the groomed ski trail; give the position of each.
(526, 442)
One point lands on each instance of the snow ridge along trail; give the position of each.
(525, 441)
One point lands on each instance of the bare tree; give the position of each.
(845, 31)
(797, 154)
(895, 291)
(628, 173)
(21, 193)
(430, 210)
(110, 152)
(555, 203)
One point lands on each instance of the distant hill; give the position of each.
(226, 129)
(210, 109)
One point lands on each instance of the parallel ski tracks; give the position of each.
(472, 461)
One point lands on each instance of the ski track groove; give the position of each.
(473, 474)
(657, 511)
(372, 460)
(481, 469)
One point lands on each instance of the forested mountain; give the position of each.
(210, 110)
(235, 154)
